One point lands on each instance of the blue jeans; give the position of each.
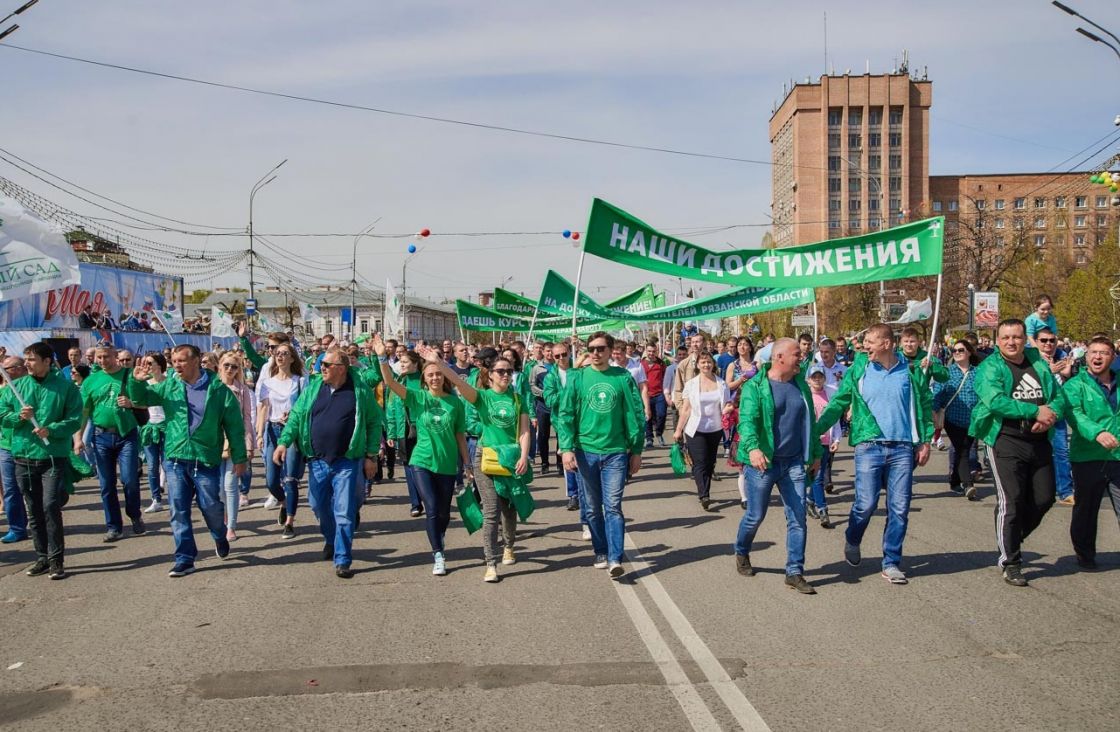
(878, 466)
(153, 457)
(288, 474)
(410, 481)
(789, 476)
(115, 452)
(1063, 472)
(436, 491)
(332, 493)
(14, 507)
(604, 477)
(247, 477)
(821, 478)
(655, 425)
(186, 481)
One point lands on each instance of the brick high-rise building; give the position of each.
(850, 154)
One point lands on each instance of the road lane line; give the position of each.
(694, 708)
(732, 696)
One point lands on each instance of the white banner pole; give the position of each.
(20, 399)
(575, 302)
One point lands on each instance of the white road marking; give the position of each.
(737, 703)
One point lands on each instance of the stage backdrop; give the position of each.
(118, 289)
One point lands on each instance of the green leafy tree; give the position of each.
(1086, 304)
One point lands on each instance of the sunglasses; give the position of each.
(331, 363)
(1047, 340)
(561, 355)
(960, 350)
(230, 366)
(597, 349)
(502, 372)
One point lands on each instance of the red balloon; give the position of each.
(425, 232)
(575, 235)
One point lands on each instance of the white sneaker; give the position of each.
(941, 444)
(600, 561)
(154, 506)
(491, 573)
(271, 503)
(243, 501)
(586, 533)
(616, 570)
(439, 568)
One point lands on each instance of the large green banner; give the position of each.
(644, 298)
(513, 304)
(476, 317)
(558, 295)
(910, 250)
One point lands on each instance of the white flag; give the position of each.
(267, 325)
(172, 320)
(394, 326)
(307, 312)
(916, 310)
(34, 255)
(221, 323)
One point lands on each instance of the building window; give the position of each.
(1040, 222)
(1102, 201)
(896, 162)
(855, 142)
(1081, 201)
(952, 205)
(1062, 221)
(854, 205)
(1079, 221)
(979, 222)
(328, 325)
(895, 183)
(896, 204)
(999, 242)
(873, 223)
(1018, 223)
(875, 116)
(855, 117)
(1080, 258)
(1079, 240)
(896, 115)
(834, 116)
(1020, 204)
(1040, 203)
(874, 162)
(833, 185)
(894, 139)
(854, 185)
(1040, 240)
(834, 223)
(980, 204)
(833, 140)
(364, 324)
(1060, 240)
(1102, 220)
(834, 163)
(936, 207)
(834, 204)
(999, 223)
(999, 204)
(873, 204)
(998, 260)
(853, 224)
(1060, 201)
(874, 139)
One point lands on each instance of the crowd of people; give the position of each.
(471, 425)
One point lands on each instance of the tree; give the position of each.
(1087, 305)
(198, 296)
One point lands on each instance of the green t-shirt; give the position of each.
(500, 415)
(603, 402)
(438, 420)
(99, 401)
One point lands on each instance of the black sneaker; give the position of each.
(825, 522)
(798, 582)
(282, 519)
(743, 565)
(1087, 564)
(573, 503)
(416, 512)
(112, 535)
(41, 566)
(328, 552)
(343, 571)
(829, 489)
(57, 570)
(289, 532)
(649, 443)
(181, 569)
(970, 493)
(544, 469)
(959, 490)
(1013, 575)
(221, 545)
(705, 502)
(138, 527)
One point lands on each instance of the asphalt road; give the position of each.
(272, 639)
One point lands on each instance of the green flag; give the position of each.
(910, 250)
(476, 317)
(558, 295)
(643, 298)
(511, 303)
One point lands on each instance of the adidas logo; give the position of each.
(1027, 389)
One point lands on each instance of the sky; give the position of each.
(1015, 89)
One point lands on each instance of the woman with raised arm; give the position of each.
(504, 414)
(441, 442)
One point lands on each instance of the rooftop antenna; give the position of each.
(867, 67)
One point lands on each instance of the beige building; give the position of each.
(850, 154)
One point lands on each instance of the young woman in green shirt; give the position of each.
(441, 442)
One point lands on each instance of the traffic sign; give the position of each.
(250, 306)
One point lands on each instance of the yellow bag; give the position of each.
(490, 464)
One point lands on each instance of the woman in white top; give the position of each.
(278, 386)
(701, 419)
(230, 372)
(151, 434)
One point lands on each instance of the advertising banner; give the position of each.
(986, 309)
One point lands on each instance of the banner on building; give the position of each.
(909, 250)
(511, 303)
(985, 308)
(34, 255)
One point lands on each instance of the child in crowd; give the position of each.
(816, 505)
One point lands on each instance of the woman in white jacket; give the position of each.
(701, 420)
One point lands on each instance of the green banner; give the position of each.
(511, 303)
(641, 299)
(910, 250)
(558, 295)
(476, 317)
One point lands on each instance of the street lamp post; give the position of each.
(354, 277)
(404, 291)
(252, 194)
(15, 26)
(1088, 34)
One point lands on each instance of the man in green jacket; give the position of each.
(201, 415)
(926, 367)
(776, 419)
(891, 428)
(1094, 415)
(336, 423)
(1020, 402)
(600, 431)
(41, 439)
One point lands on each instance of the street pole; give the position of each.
(1087, 34)
(971, 306)
(404, 293)
(252, 194)
(354, 278)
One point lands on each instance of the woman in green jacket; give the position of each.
(151, 433)
(440, 444)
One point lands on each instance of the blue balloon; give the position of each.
(412, 249)
(567, 233)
